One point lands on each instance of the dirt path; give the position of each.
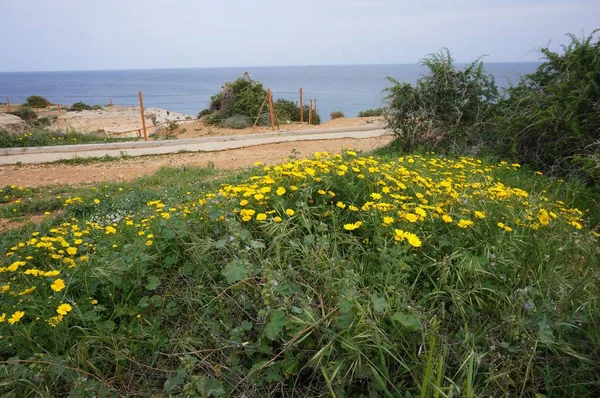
(123, 170)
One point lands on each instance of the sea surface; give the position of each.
(349, 88)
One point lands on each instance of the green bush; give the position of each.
(204, 112)
(448, 108)
(371, 112)
(237, 122)
(80, 106)
(337, 115)
(36, 101)
(37, 135)
(24, 113)
(551, 119)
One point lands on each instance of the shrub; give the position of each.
(24, 113)
(204, 112)
(337, 115)
(36, 101)
(80, 106)
(237, 122)
(242, 97)
(371, 112)
(446, 108)
(551, 119)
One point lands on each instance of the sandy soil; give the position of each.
(129, 169)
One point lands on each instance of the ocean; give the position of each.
(347, 88)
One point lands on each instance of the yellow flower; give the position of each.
(576, 224)
(501, 225)
(281, 191)
(94, 302)
(261, 216)
(352, 227)
(243, 202)
(447, 218)
(462, 223)
(321, 192)
(16, 317)
(259, 196)
(52, 273)
(290, 212)
(376, 196)
(72, 251)
(3, 317)
(341, 205)
(412, 239)
(420, 211)
(97, 201)
(411, 217)
(277, 219)
(149, 243)
(110, 230)
(480, 215)
(58, 285)
(507, 228)
(388, 220)
(63, 309)
(544, 217)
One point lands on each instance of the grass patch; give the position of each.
(42, 137)
(380, 276)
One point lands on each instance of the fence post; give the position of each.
(315, 111)
(301, 107)
(110, 102)
(59, 111)
(143, 119)
(37, 112)
(8, 104)
(310, 112)
(271, 115)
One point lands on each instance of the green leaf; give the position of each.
(408, 321)
(256, 244)
(235, 271)
(379, 303)
(246, 325)
(153, 283)
(143, 303)
(276, 325)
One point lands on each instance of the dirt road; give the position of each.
(36, 175)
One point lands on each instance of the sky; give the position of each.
(42, 35)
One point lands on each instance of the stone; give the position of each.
(13, 124)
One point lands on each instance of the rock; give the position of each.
(13, 124)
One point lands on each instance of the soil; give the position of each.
(36, 175)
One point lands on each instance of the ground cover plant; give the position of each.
(39, 136)
(336, 275)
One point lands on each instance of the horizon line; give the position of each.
(251, 66)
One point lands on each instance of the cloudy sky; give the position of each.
(131, 34)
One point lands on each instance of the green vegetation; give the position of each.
(550, 120)
(39, 136)
(35, 101)
(380, 276)
(337, 115)
(371, 112)
(24, 113)
(81, 106)
(446, 109)
(238, 105)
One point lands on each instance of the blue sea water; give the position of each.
(349, 88)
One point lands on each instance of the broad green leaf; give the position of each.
(276, 324)
(235, 271)
(256, 244)
(379, 303)
(153, 283)
(408, 321)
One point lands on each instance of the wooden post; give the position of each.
(310, 113)
(143, 119)
(271, 115)
(301, 107)
(59, 111)
(315, 111)
(260, 111)
(110, 102)
(37, 111)
(8, 105)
